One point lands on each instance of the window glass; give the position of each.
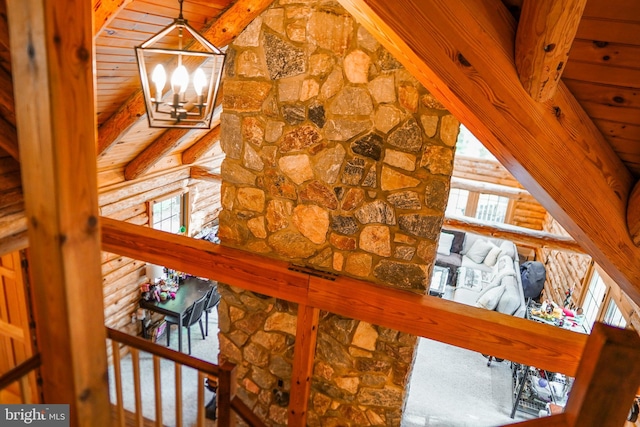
(468, 145)
(492, 208)
(457, 203)
(167, 214)
(614, 316)
(592, 301)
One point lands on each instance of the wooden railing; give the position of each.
(21, 374)
(605, 380)
(224, 374)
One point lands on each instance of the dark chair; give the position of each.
(193, 315)
(212, 301)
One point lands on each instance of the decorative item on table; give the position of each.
(155, 272)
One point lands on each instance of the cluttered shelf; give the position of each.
(536, 391)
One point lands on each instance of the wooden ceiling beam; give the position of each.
(202, 173)
(546, 30)
(201, 146)
(504, 336)
(51, 57)
(226, 28)
(462, 52)
(154, 152)
(161, 146)
(104, 11)
(633, 214)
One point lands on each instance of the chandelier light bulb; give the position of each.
(180, 80)
(159, 78)
(176, 103)
(199, 81)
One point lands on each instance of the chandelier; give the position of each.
(180, 52)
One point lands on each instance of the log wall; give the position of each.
(12, 219)
(570, 272)
(566, 271)
(526, 211)
(128, 201)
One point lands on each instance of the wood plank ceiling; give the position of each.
(117, 71)
(603, 73)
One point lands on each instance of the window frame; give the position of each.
(185, 214)
(473, 198)
(608, 298)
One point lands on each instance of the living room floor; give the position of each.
(454, 387)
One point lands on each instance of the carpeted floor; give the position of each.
(453, 387)
(449, 386)
(206, 349)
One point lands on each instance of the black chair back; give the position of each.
(195, 312)
(213, 298)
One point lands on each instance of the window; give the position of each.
(457, 204)
(492, 208)
(593, 300)
(486, 207)
(168, 214)
(614, 317)
(468, 145)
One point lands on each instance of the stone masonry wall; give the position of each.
(337, 159)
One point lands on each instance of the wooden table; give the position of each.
(190, 290)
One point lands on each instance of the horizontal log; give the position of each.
(516, 339)
(113, 195)
(518, 235)
(490, 188)
(205, 259)
(198, 172)
(142, 197)
(202, 145)
(12, 224)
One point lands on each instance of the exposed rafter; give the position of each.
(228, 26)
(546, 30)
(201, 146)
(463, 53)
(104, 11)
(162, 145)
(154, 152)
(633, 214)
(199, 172)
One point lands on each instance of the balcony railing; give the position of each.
(223, 374)
(20, 374)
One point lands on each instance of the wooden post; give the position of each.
(607, 378)
(306, 334)
(51, 55)
(225, 393)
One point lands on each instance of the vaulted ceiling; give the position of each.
(577, 153)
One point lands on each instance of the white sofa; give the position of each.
(489, 276)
